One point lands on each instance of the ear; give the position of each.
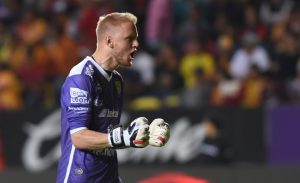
(109, 41)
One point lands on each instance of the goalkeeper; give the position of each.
(91, 103)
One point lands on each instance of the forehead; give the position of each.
(128, 29)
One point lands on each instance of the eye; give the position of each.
(131, 39)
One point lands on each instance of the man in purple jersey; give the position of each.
(91, 103)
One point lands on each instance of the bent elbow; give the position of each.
(78, 145)
(77, 141)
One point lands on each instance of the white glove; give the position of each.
(159, 132)
(136, 135)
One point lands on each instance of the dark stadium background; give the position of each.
(235, 61)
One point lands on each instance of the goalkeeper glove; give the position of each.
(159, 132)
(136, 135)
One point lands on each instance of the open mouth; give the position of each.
(132, 54)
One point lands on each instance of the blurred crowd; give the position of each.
(193, 53)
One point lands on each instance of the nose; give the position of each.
(135, 44)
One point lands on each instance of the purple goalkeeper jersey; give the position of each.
(91, 99)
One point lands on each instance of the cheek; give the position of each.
(123, 54)
(120, 47)
(124, 51)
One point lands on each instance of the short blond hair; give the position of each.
(108, 21)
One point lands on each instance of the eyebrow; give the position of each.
(132, 36)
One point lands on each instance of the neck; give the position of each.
(106, 62)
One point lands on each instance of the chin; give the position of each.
(130, 62)
(127, 64)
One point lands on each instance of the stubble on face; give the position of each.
(124, 49)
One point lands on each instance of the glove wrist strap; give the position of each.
(115, 137)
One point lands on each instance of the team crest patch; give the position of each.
(89, 70)
(98, 102)
(79, 171)
(118, 87)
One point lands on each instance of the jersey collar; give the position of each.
(100, 69)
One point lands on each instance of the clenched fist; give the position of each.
(159, 132)
(136, 135)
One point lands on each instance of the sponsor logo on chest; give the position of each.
(108, 113)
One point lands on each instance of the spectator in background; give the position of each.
(251, 53)
(10, 89)
(193, 27)
(63, 49)
(232, 10)
(165, 90)
(221, 26)
(253, 89)
(196, 58)
(275, 11)
(145, 65)
(159, 23)
(197, 96)
(223, 54)
(32, 27)
(285, 57)
(226, 91)
(167, 61)
(253, 24)
(283, 48)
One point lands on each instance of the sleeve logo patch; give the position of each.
(78, 96)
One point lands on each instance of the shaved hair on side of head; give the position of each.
(107, 23)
